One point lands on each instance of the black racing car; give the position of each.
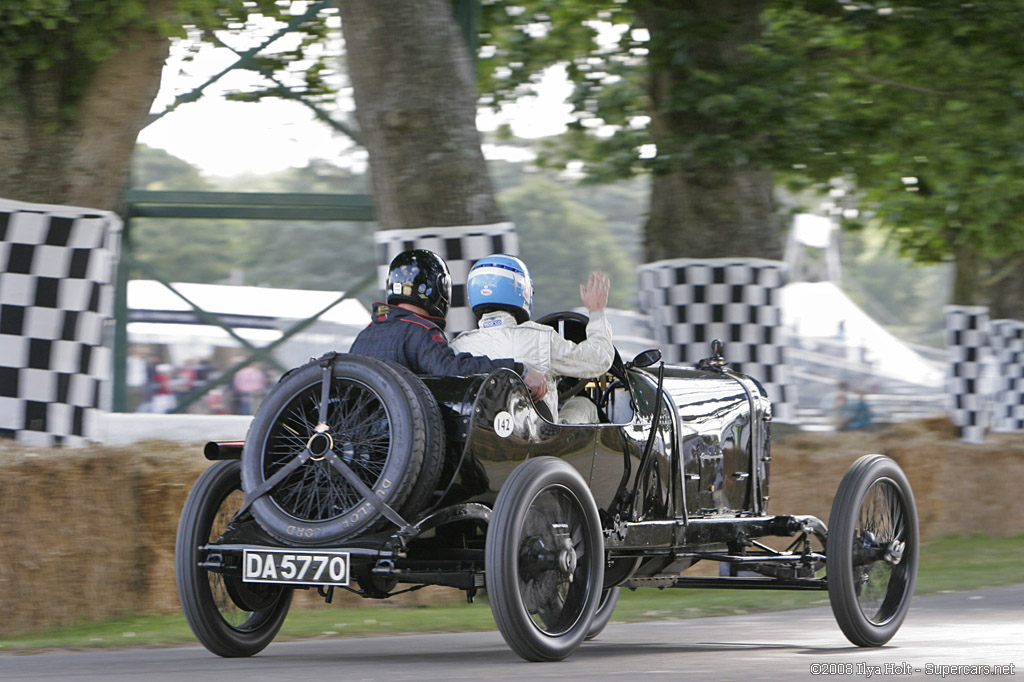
(358, 475)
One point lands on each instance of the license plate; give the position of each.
(295, 568)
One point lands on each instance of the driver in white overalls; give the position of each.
(500, 293)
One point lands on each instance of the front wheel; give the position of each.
(872, 550)
(609, 598)
(229, 617)
(544, 560)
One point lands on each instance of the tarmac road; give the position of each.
(980, 628)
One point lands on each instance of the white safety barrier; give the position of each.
(56, 303)
(693, 301)
(967, 330)
(1008, 344)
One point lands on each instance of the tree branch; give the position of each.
(893, 84)
(1011, 266)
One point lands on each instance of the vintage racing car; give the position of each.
(357, 474)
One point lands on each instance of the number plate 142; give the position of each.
(295, 568)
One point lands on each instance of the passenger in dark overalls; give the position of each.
(409, 328)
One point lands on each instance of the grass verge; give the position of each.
(947, 564)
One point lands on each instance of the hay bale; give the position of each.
(164, 475)
(69, 520)
(88, 534)
(959, 488)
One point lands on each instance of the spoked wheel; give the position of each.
(544, 560)
(872, 551)
(331, 443)
(229, 617)
(609, 598)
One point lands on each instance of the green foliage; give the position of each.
(156, 169)
(65, 37)
(182, 250)
(921, 106)
(565, 232)
(919, 102)
(524, 38)
(562, 242)
(529, 35)
(311, 255)
(908, 300)
(62, 41)
(293, 255)
(190, 250)
(326, 256)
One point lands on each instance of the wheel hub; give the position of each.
(567, 560)
(319, 444)
(894, 552)
(537, 558)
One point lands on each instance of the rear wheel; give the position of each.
(229, 617)
(544, 560)
(872, 551)
(421, 497)
(329, 445)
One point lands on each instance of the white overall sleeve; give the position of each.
(591, 357)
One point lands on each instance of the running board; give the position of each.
(729, 583)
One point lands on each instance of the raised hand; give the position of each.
(595, 292)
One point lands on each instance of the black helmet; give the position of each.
(420, 277)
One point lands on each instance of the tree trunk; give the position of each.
(61, 148)
(1004, 289)
(712, 212)
(966, 277)
(415, 96)
(702, 209)
(995, 283)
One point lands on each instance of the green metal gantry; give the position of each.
(238, 205)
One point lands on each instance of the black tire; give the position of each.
(609, 598)
(228, 617)
(420, 498)
(544, 560)
(872, 551)
(376, 424)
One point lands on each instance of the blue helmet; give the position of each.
(500, 282)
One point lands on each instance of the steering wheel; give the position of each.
(571, 326)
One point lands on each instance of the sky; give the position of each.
(227, 138)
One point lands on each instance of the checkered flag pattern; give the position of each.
(693, 301)
(56, 296)
(1008, 344)
(460, 247)
(967, 331)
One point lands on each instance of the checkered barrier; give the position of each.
(967, 331)
(460, 247)
(693, 301)
(56, 296)
(1008, 345)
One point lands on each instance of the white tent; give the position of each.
(821, 310)
(254, 302)
(260, 315)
